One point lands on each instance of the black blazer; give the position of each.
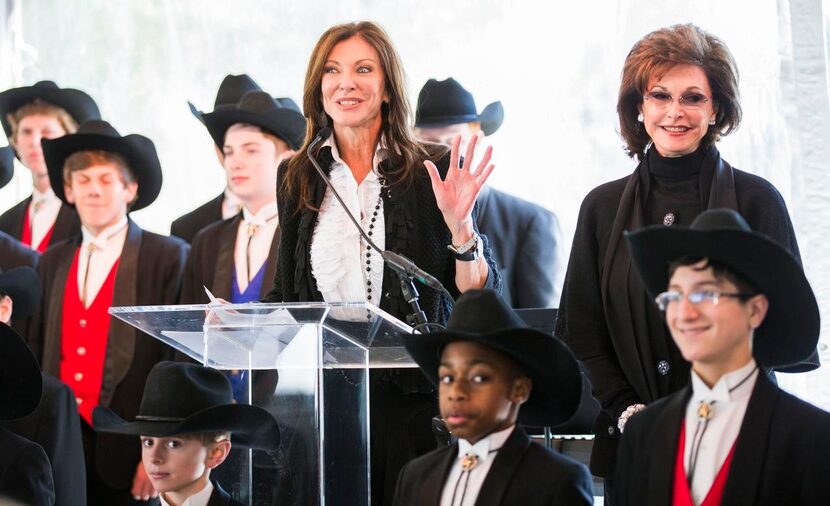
(523, 473)
(25, 475)
(211, 263)
(149, 273)
(55, 426)
(414, 228)
(221, 498)
(67, 224)
(781, 454)
(188, 225)
(526, 246)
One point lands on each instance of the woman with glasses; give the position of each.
(677, 98)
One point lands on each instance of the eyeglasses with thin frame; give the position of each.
(698, 297)
(688, 100)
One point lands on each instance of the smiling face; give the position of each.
(251, 158)
(480, 390)
(353, 85)
(100, 194)
(716, 338)
(678, 130)
(27, 136)
(179, 466)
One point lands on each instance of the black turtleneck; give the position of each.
(674, 187)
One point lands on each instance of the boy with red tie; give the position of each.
(111, 263)
(736, 303)
(29, 114)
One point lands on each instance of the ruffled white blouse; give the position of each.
(345, 269)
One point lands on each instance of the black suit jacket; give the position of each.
(523, 473)
(25, 475)
(149, 273)
(526, 246)
(780, 457)
(221, 498)
(188, 225)
(14, 254)
(67, 224)
(211, 263)
(55, 426)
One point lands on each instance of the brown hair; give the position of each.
(38, 106)
(80, 160)
(719, 270)
(275, 139)
(206, 438)
(653, 56)
(395, 115)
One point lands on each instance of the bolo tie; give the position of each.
(468, 463)
(90, 249)
(253, 228)
(704, 414)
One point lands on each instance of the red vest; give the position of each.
(27, 234)
(84, 335)
(682, 495)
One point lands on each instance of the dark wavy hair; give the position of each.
(395, 115)
(653, 56)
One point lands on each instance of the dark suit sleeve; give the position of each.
(400, 493)
(29, 479)
(538, 268)
(576, 489)
(192, 280)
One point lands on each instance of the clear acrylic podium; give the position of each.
(308, 365)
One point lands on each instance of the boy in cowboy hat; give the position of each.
(186, 421)
(227, 205)
(29, 114)
(54, 424)
(25, 475)
(491, 372)
(111, 263)
(523, 235)
(736, 303)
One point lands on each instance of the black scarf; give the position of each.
(626, 303)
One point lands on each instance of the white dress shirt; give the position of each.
(338, 252)
(106, 249)
(486, 449)
(231, 205)
(263, 224)
(43, 211)
(200, 498)
(722, 429)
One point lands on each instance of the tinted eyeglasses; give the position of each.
(689, 100)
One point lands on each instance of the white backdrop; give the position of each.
(554, 66)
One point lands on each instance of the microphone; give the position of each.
(396, 261)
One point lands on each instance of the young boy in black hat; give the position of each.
(492, 371)
(226, 205)
(54, 424)
(524, 236)
(111, 263)
(29, 114)
(25, 475)
(736, 303)
(186, 421)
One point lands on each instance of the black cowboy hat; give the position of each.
(78, 104)
(279, 116)
(138, 150)
(790, 330)
(481, 316)
(20, 382)
(443, 103)
(181, 398)
(231, 91)
(22, 284)
(6, 165)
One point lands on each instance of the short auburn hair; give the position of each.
(657, 53)
(81, 160)
(207, 438)
(41, 107)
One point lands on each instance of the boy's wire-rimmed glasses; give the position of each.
(698, 297)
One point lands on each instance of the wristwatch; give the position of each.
(468, 251)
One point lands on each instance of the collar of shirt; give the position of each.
(262, 217)
(45, 197)
(494, 441)
(200, 498)
(105, 238)
(721, 390)
(231, 204)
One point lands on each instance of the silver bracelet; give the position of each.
(630, 410)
